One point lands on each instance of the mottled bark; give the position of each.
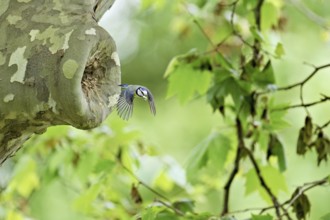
(57, 66)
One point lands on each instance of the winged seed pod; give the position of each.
(305, 136)
(322, 146)
(301, 205)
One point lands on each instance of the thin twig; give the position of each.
(325, 99)
(301, 83)
(316, 69)
(303, 188)
(324, 125)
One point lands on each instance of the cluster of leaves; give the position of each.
(313, 138)
(239, 85)
(72, 174)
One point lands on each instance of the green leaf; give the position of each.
(84, 202)
(279, 50)
(185, 205)
(275, 148)
(12, 215)
(186, 82)
(215, 148)
(231, 86)
(25, 178)
(190, 58)
(218, 151)
(277, 121)
(269, 16)
(262, 217)
(217, 103)
(58, 157)
(104, 165)
(265, 77)
(172, 66)
(166, 215)
(151, 212)
(251, 182)
(274, 179)
(87, 161)
(198, 157)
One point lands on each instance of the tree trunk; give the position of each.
(57, 66)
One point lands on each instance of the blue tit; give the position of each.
(126, 98)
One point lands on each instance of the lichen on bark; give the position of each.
(57, 66)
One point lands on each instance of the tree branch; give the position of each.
(299, 84)
(325, 99)
(305, 187)
(315, 71)
(232, 24)
(239, 131)
(301, 189)
(256, 45)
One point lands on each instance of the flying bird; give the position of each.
(126, 98)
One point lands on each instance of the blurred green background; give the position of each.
(62, 174)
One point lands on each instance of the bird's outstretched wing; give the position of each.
(151, 102)
(125, 104)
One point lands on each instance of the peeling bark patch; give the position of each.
(90, 31)
(13, 19)
(50, 36)
(24, 1)
(115, 57)
(66, 40)
(18, 58)
(33, 34)
(52, 104)
(8, 98)
(112, 100)
(70, 68)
